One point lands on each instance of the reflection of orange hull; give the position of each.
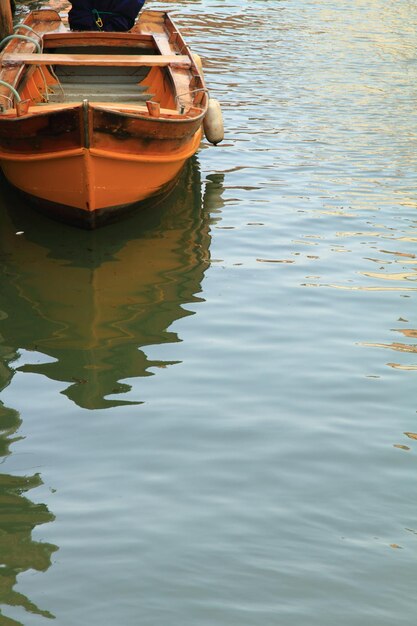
(91, 305)
(89, 137)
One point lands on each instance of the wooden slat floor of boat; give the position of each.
(105, 79)
(101, 74)
(103, 88)
(98, 84)
(126, 98)
(97, 92)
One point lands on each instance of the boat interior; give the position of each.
(121, 84)
(149, 68)
(112, 84)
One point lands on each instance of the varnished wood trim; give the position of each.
(118, 60)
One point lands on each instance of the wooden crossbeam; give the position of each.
(103, 60)
(109, 36)
(85, 39)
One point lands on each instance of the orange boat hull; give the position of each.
(89, 187)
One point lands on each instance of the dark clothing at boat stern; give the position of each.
(106, 15)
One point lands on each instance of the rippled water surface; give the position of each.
(209, 410)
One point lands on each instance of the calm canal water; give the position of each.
(208, 410)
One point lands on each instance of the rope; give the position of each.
(180, 95)
(2, 95)
(59, 84)
(38, 49)
(12, 89)
(23, 38)
(21, 25)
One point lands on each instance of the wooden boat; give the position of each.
(92, 123)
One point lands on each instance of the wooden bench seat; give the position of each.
(102, 60)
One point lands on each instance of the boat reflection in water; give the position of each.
(90, 301)
(19, 516)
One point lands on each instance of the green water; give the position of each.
(208, 410)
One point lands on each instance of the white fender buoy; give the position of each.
(213, 122)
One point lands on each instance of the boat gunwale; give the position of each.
(180, 119)
(40, 110)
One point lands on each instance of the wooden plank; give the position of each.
(131, 108)
(180, 75)
(120, 60)
(46, 107)
(58, 40)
